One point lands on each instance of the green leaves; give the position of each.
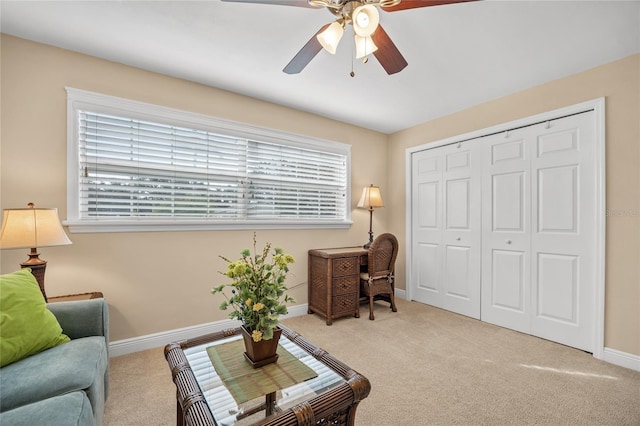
(257, 282)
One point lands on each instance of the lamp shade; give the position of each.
(371, 198)
(365, 20)
(364, 46)
(31, 227)
(330, 37)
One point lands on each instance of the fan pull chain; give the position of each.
(352, 73)
(366, 58)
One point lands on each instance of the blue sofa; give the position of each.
(67, 384)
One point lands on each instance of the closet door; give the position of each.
(426, 253)
(446, 234)
(563, 231)
(506, 229)
(538, 243)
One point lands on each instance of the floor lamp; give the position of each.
(370, 199)
(32, 228)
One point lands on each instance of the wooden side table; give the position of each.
(334, 281)
(72, 297)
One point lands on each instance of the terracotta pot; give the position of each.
(262, 352)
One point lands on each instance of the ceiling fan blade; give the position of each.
(305, 55)
(414, 4)
(298, 3)
(387, 54)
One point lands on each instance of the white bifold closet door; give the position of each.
(503, 229)
(538, 230)
(446, 234)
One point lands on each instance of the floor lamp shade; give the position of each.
(32, 228)
(370, 199)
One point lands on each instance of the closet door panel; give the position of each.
(558, 199)
(563, 234)
(508, 280)
(508, 202)
(446, 228)
(428, 269)
(506, 209)
(461, 233)
(557, 297)
(427, 221)
(457, 263)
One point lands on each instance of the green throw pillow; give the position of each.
(26, 325)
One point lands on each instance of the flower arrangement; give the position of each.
(257, 289)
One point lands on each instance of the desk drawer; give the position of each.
(344, 304)
(345, 285)
(345, 266)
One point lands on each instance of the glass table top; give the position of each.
(227, 411)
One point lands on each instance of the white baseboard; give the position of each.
(623, 359)
(155, 340)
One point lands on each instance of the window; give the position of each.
(134, 166)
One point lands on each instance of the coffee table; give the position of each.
(209, 396)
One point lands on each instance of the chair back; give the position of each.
(382, 256)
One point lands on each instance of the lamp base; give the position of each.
(370, 230)
(38, 267)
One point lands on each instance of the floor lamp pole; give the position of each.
(370, 228)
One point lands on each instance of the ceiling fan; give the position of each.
(363, 15)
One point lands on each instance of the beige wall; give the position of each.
(153, 281)
(160, 281)
(619, 83)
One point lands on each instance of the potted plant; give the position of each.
(258, 298)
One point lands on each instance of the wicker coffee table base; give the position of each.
(334, 407)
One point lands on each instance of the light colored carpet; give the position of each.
(427, 366)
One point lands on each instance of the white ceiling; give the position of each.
(459, 55)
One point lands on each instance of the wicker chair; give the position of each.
(377, 283)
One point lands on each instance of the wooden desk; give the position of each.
(334, 281)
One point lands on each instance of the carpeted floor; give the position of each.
(427, 366)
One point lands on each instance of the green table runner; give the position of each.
(245, 382)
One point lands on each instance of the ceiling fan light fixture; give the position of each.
(365, 20)
(364, 46)
(330, 37)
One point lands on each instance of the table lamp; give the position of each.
(370, 199)
(32, 228)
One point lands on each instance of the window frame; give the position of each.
(78, 100)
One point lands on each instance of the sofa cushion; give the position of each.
(71, 409)
(26, 325)
(78, 365)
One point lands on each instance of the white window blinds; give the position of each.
(139, 168)
(145, 170)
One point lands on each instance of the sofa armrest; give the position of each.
(82, 318)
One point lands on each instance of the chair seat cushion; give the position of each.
(79, 365)
(64, 410)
